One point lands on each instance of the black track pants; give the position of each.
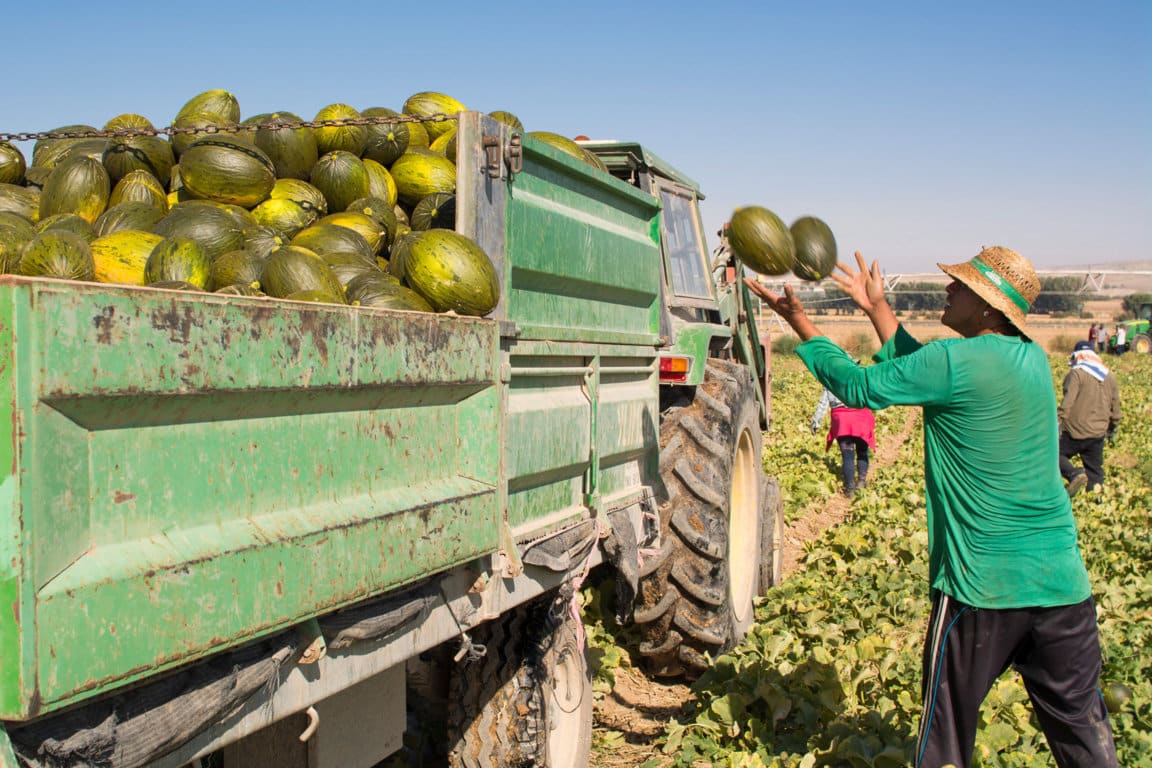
(1091, 453)
(854, 455)
(1055, 650)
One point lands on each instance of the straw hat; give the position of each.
(1003, 278)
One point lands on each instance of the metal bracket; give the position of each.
(515, 154)
(508, 563)
(317, 648)
(492, 155)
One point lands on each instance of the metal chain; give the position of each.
(175, 130)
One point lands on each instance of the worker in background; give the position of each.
(854, 430)
(1008, 584)
(1121, 340)
(1089, 413)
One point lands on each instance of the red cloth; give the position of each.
(853, 422)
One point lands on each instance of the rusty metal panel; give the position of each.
(195, 470)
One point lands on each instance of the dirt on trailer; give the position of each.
(631, 718)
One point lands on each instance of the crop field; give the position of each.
(830, 674)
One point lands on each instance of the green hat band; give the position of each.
(998, 281)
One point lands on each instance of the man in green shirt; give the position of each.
(1008, 584)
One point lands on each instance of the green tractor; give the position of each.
(1137, 337)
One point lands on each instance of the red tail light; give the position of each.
(674, 369)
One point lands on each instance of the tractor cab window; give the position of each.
(684, 252)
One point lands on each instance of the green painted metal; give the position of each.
(189, 473)
(581, 262)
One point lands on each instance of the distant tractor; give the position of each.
(1138, 337)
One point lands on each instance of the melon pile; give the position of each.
(345, 214)
(761, 240)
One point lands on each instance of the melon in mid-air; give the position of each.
(815, 248)
(761, 240)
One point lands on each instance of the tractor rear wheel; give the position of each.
(696, 595)
(528, 700)
(1142, 343)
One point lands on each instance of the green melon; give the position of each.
(241, 217)
(507, 118)
(420, 172)
(568, 147)
(241, 267)
(68, 222)
(23, 225)
(216, 101)
(179, 259)
(1116, 697)
(398, 255)
(384, 292)
(436, 211)
(380, 210)
(12, 242)
(45, 152)
(59, 254)
(129, 120)
(139, 186)
(287, 217)
(293, 269)
(78, 185)
(384, 141)
(594, 160)
(153, 154)
(302, 193)
(346, 266)
(56, 153)
(330, 238)
(451, 272)
(380, 182)
(418, 136)
(428, 103)
(342, 177)
(219, 125)
(442, 142)
(361, 223)
(128, 215)
(349, 138)
(761, 241)
(262, 240)
(815, 248)
(12, 164)
(215, 229)
(120, 257)
(293, 150)
(23, 201)
(227, 171)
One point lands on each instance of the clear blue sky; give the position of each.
(918, 131)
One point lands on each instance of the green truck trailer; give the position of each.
(239, 531)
